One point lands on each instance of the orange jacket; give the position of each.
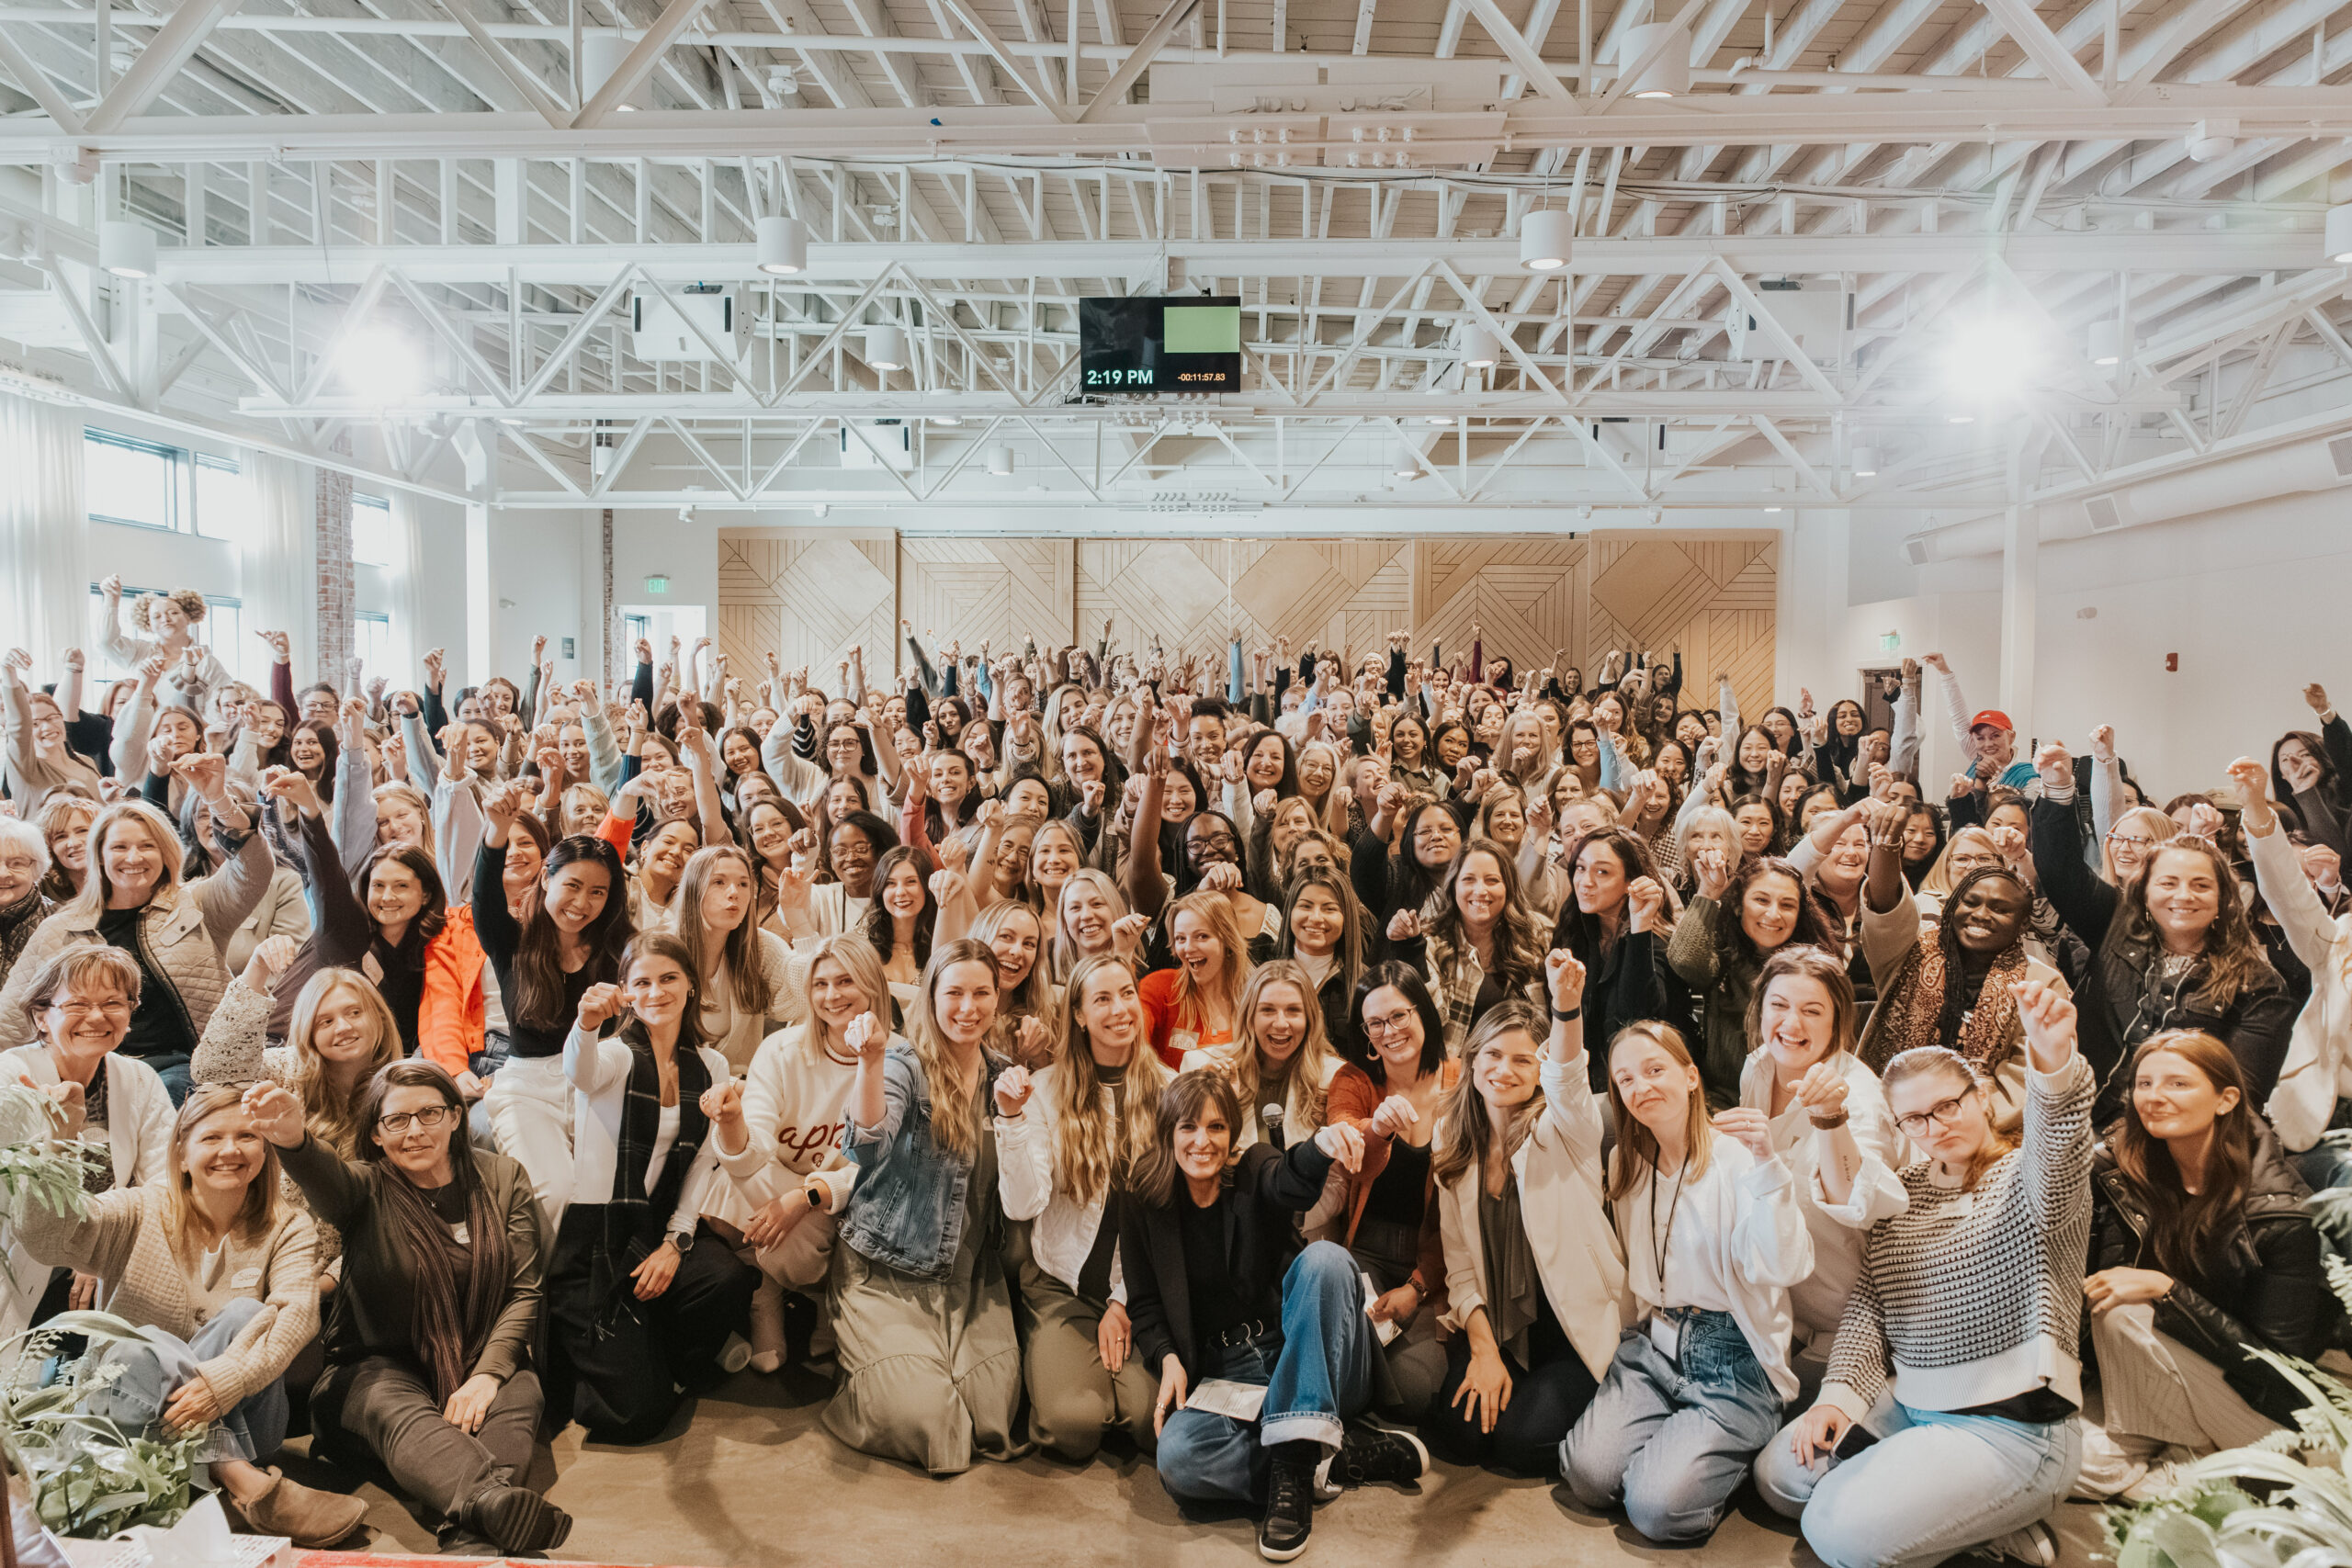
(449, 1016)
(1352, 1098)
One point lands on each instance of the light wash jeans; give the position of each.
(1672, 1438)
(1318, 1376)
(153, 1367)
(1935, 1485)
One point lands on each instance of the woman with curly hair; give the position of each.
(1281, 1054)
(161, 625)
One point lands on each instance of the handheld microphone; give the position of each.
(1270, 1116)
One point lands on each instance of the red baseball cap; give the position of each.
(1993, 717)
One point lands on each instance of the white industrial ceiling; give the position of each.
(484, 188)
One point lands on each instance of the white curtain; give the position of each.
(409, 646)
(278, 568)
(44, 535)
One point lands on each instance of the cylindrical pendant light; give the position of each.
(885, 348)
(127, 248)
(1546, 239)
(782, 245)
(1669, 74)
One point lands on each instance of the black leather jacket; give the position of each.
(2265, 1286)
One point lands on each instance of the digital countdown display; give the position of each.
(1185, 344)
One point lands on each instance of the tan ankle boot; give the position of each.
(310, 1518)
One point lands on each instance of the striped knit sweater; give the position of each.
(1970, 1298)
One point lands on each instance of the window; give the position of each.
(371, 531)
(639, 628)
(371, 639)
(145, 484)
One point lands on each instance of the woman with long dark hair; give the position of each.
(428, 1341)
(1733, 925)
(638, 1306)
(568, 935)
(1612, 922)
(2202, 1254)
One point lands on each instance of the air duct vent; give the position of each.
(2339, 452)
(2103, 511)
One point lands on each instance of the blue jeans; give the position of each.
(156, 1364)
(1316, 1372)
(1673, 1438)
(1935, 1485)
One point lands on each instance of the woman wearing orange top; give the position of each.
(1195, 1004)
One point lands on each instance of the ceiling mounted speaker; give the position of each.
(1546, 239)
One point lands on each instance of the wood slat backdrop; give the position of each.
(812, 595)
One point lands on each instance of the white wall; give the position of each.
(2253, 601)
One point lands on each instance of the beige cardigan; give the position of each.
(126, 1240)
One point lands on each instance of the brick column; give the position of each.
(336, 587)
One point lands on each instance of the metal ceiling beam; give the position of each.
(638, 65)
(37, 84)
(1146, 50)
(2013, 112)
(2021, 21)
(1520, 52)
(519, 75)
(169, 48)
(1008, 61)
(2188, 252)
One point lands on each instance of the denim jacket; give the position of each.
(908, 1208)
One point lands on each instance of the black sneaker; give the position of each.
(1372, 1452)
(518, 1519)
(1290, 1503)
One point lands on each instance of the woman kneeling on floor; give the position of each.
(1226, 1304)
(1966, 1313)
(636, 1310)
(220, 1274)
(428, 1340)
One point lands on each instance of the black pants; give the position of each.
(1544, 1402)
(626, 1360)
(384, 1408)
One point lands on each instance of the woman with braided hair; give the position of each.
(1950, 984)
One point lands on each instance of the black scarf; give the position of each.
(634, 1220)
(17, 921)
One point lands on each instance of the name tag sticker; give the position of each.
(1222, 1396)
(1667, 1334)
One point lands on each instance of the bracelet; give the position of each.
(1829, 1124)
(1575, 1012)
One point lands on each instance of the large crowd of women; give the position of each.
(1283, 1068)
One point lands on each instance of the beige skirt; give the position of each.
(930, 1369)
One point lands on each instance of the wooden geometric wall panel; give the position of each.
(1715, 597)
(1194, 594)
(813, 595)
(1525, 596)
(1000, 591)
(808, 598)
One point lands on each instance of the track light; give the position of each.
(1865, 462)
(126, 248)
(1547, 238)
(1479, 348)
(1667, 75)
(1001, 460)
(782, 245)
(885, 348)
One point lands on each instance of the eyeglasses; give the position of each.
(1394, 1023)
(1943, 1114)
(431, 1119)
(83, 1009)
(2132, 841)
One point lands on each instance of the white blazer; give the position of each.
(139, 1138)
(1562, 1204)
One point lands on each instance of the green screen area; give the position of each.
(1201, 329)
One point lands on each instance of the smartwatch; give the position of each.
(816, 1196)
(683, 1241)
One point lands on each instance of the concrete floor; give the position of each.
(754, 1479)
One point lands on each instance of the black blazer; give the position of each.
(1266, 1191)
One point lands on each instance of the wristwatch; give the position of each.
(816, 1196)
(683, 1241)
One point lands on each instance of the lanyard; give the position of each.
(1659, 1250)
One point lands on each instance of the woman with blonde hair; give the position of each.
(740, 969)
(135, 900)
(1196, 1003)
(1069, 1139)
(222, 1279)
(64, 823)
(931, 1368)
(1029, 1005)
(1281, 1055)
(2133, 839)
(1092, 918)
(1715, 1240)
(779, 1132)
(169, 621)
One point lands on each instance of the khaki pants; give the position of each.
(2160, 1391)
(1073, 1397)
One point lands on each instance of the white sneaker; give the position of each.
(736, 1354)
(2160, 1482)
(2110, 1468)
(2034, 1545)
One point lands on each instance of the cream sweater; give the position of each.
(126, 1240)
